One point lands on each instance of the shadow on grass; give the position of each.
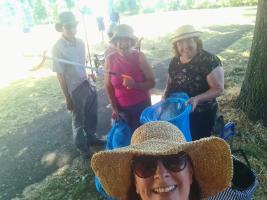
(227, 36)
(34, 151)
(36, 134)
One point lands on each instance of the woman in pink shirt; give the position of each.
(128, 96)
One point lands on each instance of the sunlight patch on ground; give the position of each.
(61, 170)
(9, 76)
(51, 158)
(246, 54)
(48, 159)
(63, 160)
(21, 152)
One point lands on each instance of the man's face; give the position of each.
(70, 30)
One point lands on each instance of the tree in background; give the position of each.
(242, 2)
(8, 8)
(253, 95)
(70, 4)
(127, 6)
(39, 12)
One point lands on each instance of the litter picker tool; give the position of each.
(97, 70)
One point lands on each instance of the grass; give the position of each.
(69, 182)
(25, 100)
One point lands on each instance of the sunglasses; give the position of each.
(70, 26)
(146, 166)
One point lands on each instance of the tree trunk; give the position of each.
(253, 95)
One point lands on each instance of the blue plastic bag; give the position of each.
(174, 110)
(119, 136)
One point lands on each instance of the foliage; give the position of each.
(242, 2)
(70, 3)
(42, 11)
(128, 7)
(54, 12)
(148, 6)
(86, 10)
(39, 11)
(9, 8)
(33, 95)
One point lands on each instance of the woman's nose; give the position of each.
(161, 171)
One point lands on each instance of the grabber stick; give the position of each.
(64, 61)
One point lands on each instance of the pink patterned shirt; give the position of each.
(129, 66)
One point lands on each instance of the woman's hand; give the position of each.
(129, 83)
(193, 101)
(115, 114)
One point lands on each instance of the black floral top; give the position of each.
(191, 77)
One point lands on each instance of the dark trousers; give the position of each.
(131, 114)
(202, 123)
(84, 116)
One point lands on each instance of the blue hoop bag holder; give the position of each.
(119, 136)
(174, 110)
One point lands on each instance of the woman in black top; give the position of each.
(199, 74)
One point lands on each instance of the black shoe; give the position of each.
(98, 142)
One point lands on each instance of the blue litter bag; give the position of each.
(173, 110)
(119, 136)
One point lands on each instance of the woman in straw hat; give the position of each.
(128, 95)
(199, 74)
(160, 164)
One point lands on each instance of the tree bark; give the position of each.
(253, 95)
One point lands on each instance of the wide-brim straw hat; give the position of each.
(211, 159)
(123, 31)
(185, 31)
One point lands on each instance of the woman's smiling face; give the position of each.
(187, 48)
(165, 184)
(124, 45)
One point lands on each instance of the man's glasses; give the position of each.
(145, 166)
(69, 26)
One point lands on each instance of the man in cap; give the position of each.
(80, 95)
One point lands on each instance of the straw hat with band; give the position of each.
(123, 31)
(65, 19)
(185, 31)
(211, 159)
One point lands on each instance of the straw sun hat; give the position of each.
(211, 159)
(185, 31)
(123, 30)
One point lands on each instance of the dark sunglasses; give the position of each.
(70, 26)
(145, 166)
